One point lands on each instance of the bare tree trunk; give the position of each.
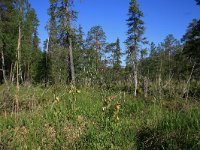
(71, 62)
(13, 73)
(18, 62)
(135, 76)
(135, 67)
(47, 49)
(18, 50)
(3, 67)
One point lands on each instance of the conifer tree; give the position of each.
(2, 71)
(116, 70)
(51, 47)
(62, 17)
(52, 26)
(192, 40)
(117, 56)
(191, 48)
(30, 44)
(95, 50)
(20, 5)
(135, 39)
(79, 53)
(96, 40)
(153, 62)
(169, 47)
(9, 23)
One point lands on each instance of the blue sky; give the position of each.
(161, 17)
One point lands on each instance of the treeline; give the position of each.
(18, 25)
(169, 69)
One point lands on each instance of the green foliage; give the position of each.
(173, 132)
(47, 120)
(43, 69)
(10, 19)
(135, 31)
(115, 52)
(61, 46)
(96, 41)
(192, 41)
(95, 48)
(100, 111)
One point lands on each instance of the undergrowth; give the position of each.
(91, 118)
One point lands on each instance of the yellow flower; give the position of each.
(57, 99)
(118, 106)
(78, 91)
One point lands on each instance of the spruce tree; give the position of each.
(135, 39)
(117, 56)
(115, 50)
(30, 44)
(191, 48)
(79, 53)
(51, 45)
(61, 34)
(9, 30)
(153, 62)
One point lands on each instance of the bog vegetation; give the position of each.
(76, 94)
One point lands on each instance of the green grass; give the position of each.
(61, 118)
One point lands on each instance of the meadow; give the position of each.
(63, 117)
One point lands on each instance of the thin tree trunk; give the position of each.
(97, 53)
(170, 73)
(70, 52)
(3, 67)
(160, 81)
(18, 63)
(135, 67)
(135, 76)
(18, 50)
(71, 62)
(11, 72)
(28, 72)
(22, 77)
(186, 88)
(47, 49)
(145, 87)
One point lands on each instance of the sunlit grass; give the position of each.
(48, 120)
